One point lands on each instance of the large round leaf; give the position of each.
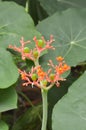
(15, 23)
(70, 112)
(8, 70)
(8, 99)
(69, 30)
(55, 94)
(74, 3)
(3, 125)
(60, 5)
(52, 6)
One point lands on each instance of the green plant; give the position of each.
(66, 21)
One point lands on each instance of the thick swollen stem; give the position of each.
(45, 108)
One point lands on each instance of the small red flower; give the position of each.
(37, 76)
(46, 44)
(59, 59)
(35, 53)
(41, 73)
(21, 48)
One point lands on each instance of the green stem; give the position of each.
(36, 62)
(27, 4)
(0, 115)
(45, 109)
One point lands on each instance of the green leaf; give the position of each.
(70, 112)
(21, 2)
(55, 94)
(69, 31)
(8, 99)
(3, 125)
(74, 3)
(52, 6)
(8, 70)
(60, 5)
(15, 23)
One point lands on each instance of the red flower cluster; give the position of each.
(40, 78)
(37, 76)
(33, 54)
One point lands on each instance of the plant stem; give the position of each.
(0, 115)
(36, 62)
(45, 108)
(27, 4)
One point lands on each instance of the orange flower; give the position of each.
(24, 75)
(62, 67)
(59, 70)
(41, 73)
(60, 59)
(66, 67)
(38, 76)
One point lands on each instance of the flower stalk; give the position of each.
(0, 115)
(45, 108)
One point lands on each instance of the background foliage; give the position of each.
(66, 20)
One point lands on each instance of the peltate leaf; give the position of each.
(15, 23)
(8, 99)
(69, 30)
(55, 94)
(3, 125)
(52, 6)
(74, 3)
(8, 70)
(70, 112)
(60, 5)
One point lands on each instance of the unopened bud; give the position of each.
(44, 82)
(26, 49)
(34, 77)
(40, 43)
(52, 76)
(35, 54)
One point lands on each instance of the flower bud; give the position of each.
(44, 82)
(40, 43)
(59, 58)
(26, 49)
(52, 76)
(34, 77)
(35, 54)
